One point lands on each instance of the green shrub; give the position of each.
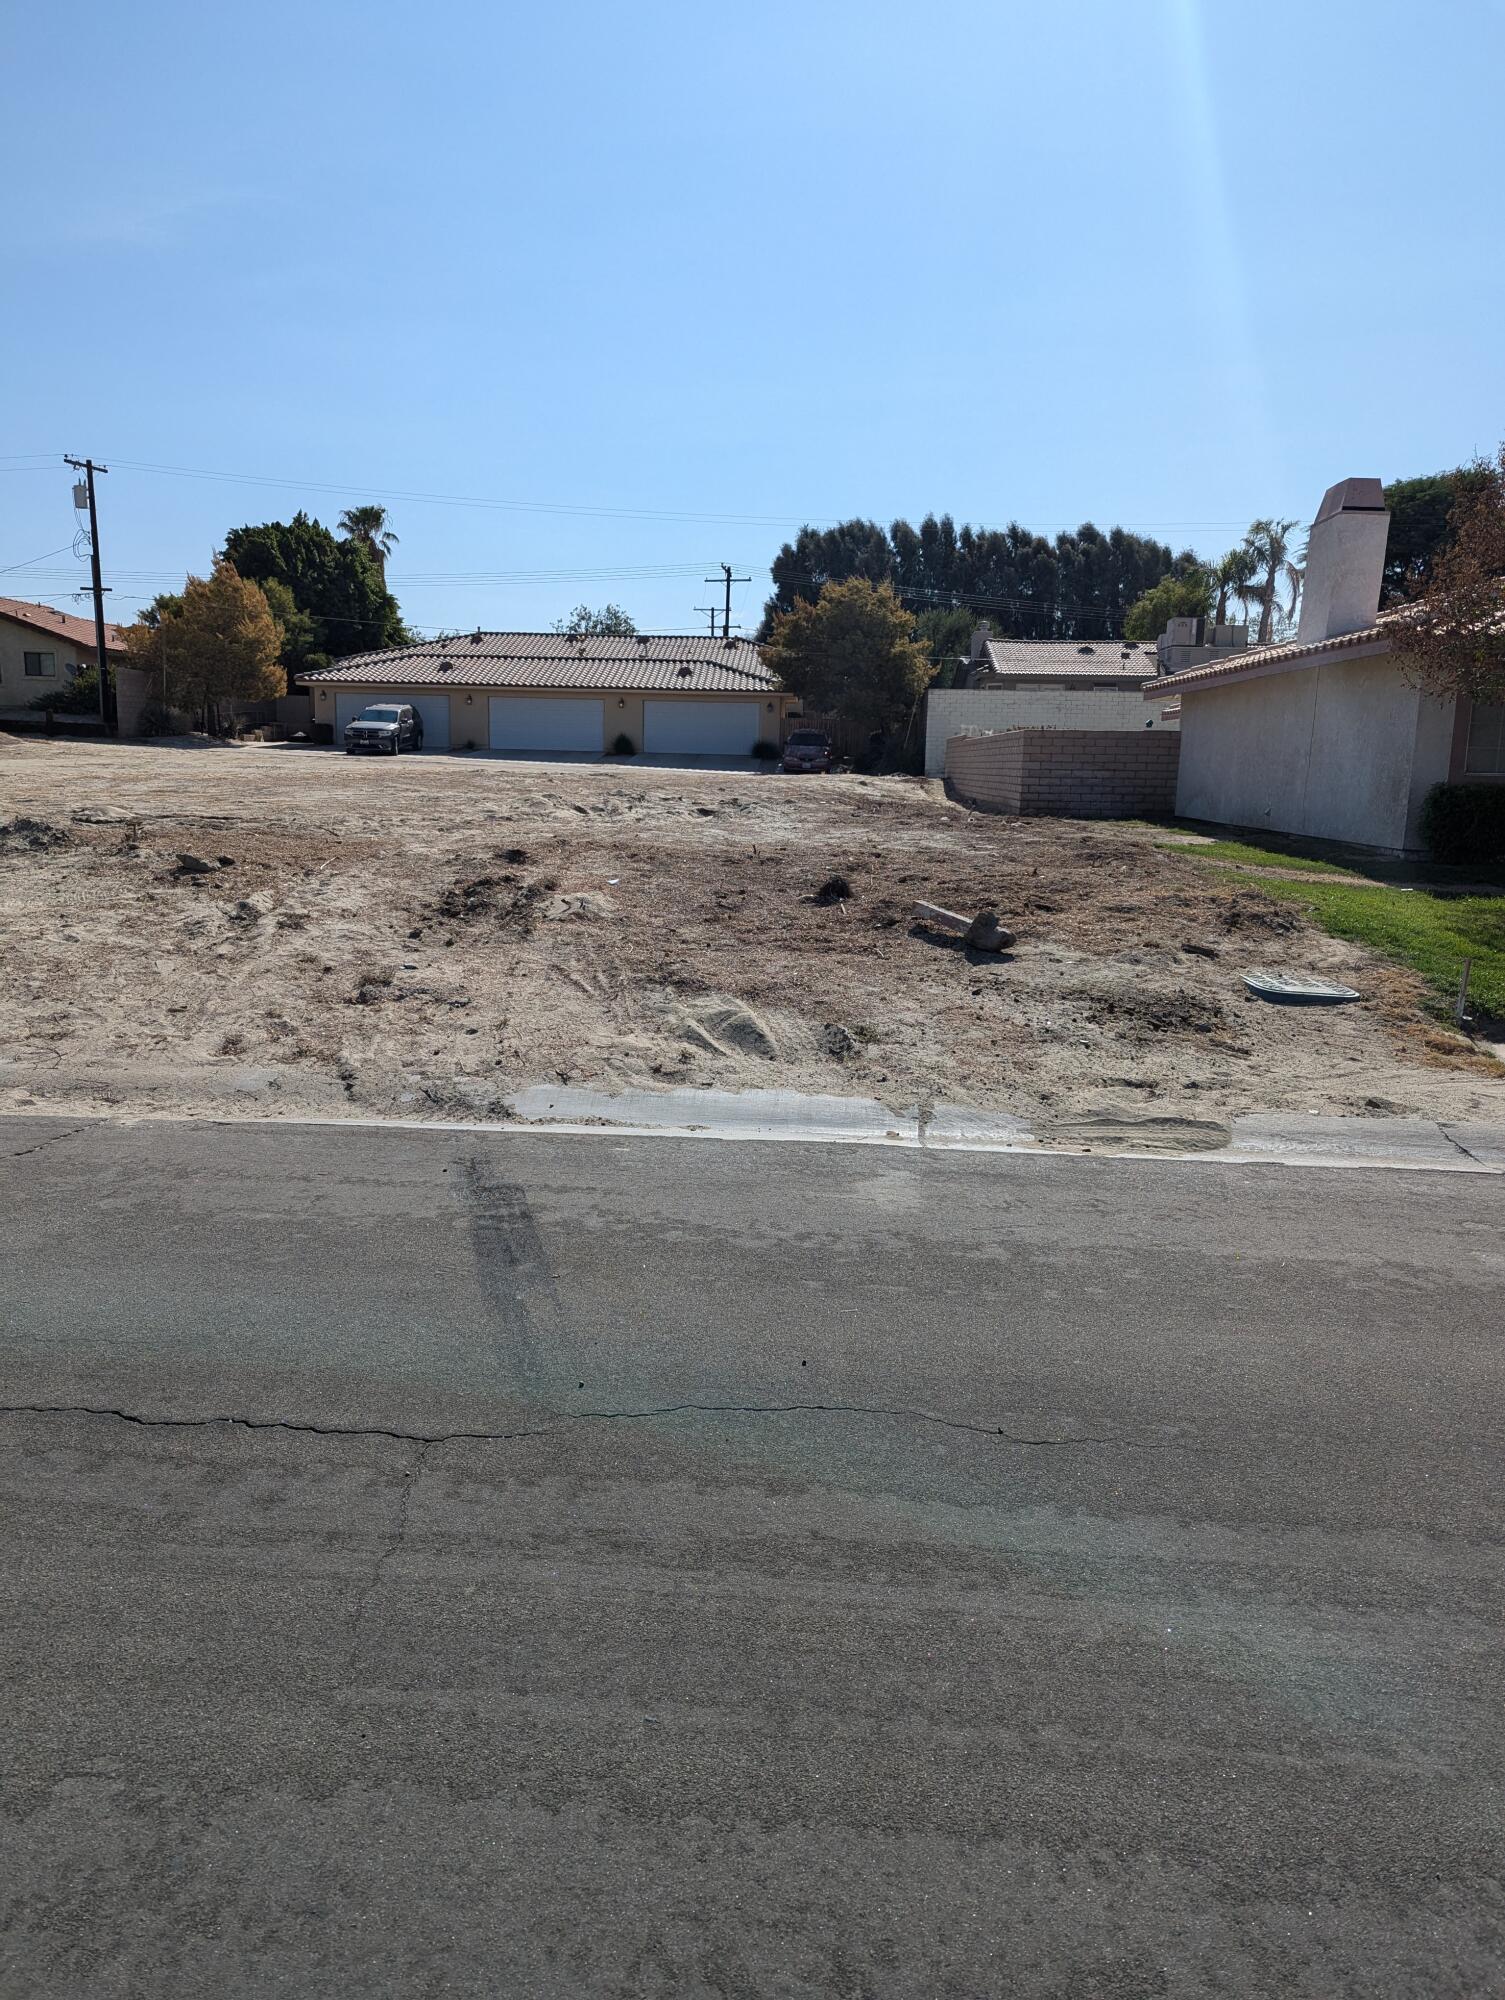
(156, 719)
(767, 751)
(1465, 822)
(78, 695)
(624, 745)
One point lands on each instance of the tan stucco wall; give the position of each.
(470, 715)
(16, 690)
(1343, 750)
(975, 711)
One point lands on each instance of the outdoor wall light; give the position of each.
(469, 699)
(621, 701)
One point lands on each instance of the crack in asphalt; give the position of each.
(1453, 1140)
(55, 1140)
(562, 1420)
(394, 1545)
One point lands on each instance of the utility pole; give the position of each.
(728, 579)
(106, 706)
(703, 609)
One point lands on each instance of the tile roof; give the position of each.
(1288, 653)
(550, 660)
(1057, 659)
(60, 624)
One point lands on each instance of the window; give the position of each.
(40, 665)
(1485, 757)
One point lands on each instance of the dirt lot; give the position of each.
(296, 931)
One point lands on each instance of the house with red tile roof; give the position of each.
(42, 649)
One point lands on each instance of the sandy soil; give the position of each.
(419, 938)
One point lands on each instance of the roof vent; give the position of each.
(642, 638)
(685, 673)
(475, 637)
(1086, 649)
(446, 666)
(728, 642)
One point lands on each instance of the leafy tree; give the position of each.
(1453, 638)
(300, 631)
(1080, 586)
(1232, 576)
(369, 526)
(1188, 596)
(851, 654)
(1268, 543)
(221, 644)
(336, 586)
(1421, 513)
(610, 622)
(946, 637)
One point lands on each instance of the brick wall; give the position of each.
(1078, 773)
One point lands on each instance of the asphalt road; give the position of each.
(649, 1566)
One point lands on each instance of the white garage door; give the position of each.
(434, 708)
(539, 722)
(702, 728)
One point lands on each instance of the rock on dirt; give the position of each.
(37, 834)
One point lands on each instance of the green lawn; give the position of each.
(1432, 934)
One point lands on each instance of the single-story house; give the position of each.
(42, 650)
(1325, 734)
(541, 693)
(1041, 684)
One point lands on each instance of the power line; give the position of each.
(11, 568)
(345, 489)
(348, 488)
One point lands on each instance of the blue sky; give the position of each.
(663, 282)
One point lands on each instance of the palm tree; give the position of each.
(368, 526)
(1232, 576)
(1269, 547)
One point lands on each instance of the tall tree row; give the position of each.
(1078, 586)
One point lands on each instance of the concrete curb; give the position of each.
(785, 1115)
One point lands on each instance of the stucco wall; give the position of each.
(973, 711)
(17, 689)
(1340, 750)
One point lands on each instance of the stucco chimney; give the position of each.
(1345, 560)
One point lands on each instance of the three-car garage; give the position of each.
(557, 694)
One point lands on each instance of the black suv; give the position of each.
(385, 726)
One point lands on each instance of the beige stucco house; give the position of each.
(1325, 734)
(543, 694)
(42, 650)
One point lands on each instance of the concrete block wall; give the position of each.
(1076, 773)
(977, 711)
